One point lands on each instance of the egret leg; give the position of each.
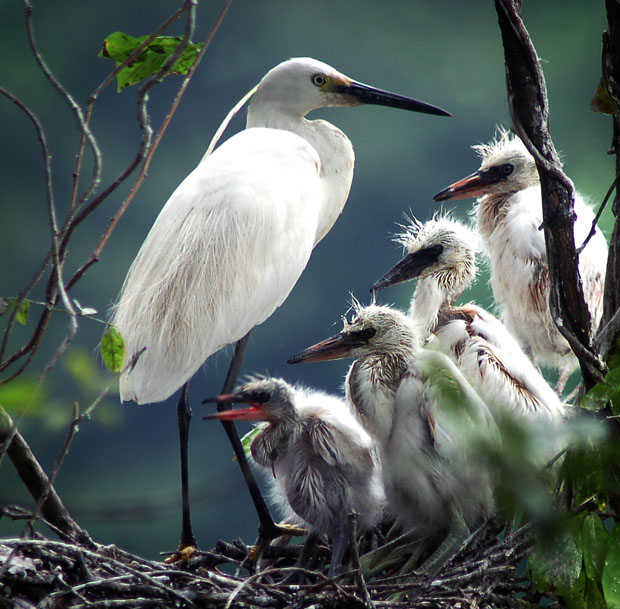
(385, 556)
(187, 545)
(268, 530)
(340, 544)
(564, 374)
(449, 547)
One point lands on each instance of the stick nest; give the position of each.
(44, 573)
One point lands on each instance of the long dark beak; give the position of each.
(408, 268)
(473, 185)
(365, 94)
(253, 413)
(334, 347)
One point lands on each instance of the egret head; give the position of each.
(507, 167)
(269, 399)
(373, 331)
(302, 84)
(441, 248)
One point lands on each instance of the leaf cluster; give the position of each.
(119, 46)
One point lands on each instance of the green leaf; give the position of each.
(594, 546)
(247, 439)
(19, 393)
(113, 349)
(601, 102)
(556, 564)
(22, 311)
(611, 570)
(606, 391)
(119, 46)
(594, 596)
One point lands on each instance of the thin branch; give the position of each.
(48, 185)
(90, 106)
(36, 480)
(355, 561)
(30, 347)
(77, 110)
(598, 215)
(166, 122)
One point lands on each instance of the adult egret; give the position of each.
(441, 254)
(428, 423)
(320, 461)
(509, 216)
(234, 237)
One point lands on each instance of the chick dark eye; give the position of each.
(436, 250)
(506, 169)
(368, 333)
(263, 397)
(319, 80)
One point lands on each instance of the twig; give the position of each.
(149, 155)
(355, 560)
(598, 215)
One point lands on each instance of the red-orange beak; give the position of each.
(253, 413)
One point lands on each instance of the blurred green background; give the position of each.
(120, 479)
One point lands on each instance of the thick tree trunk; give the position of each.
(527, 100)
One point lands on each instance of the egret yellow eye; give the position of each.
(319, 80)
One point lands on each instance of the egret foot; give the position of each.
(279, 530)
(387, 555)
(184, 552)
(458, 535)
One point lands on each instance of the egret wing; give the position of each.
(461, 422)
(224, 253)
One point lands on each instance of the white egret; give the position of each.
(319, 460)
(441, 254)
(429, 424)
(509, 215)
(234, 237)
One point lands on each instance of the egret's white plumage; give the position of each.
(319, 460)
(508, 216)
(441, 253)
(234, 237)
(429, 424)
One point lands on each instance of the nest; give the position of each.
(45, 573)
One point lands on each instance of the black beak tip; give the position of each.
(442, 195)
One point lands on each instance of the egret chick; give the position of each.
(509, 215)
(441, 254)
(234, 237)
(320, 461)
(429, 424)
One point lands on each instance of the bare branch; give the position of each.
(55, 288)
(35, 479)
(90, 106)
(166, 122)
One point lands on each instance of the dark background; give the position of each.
(120, 479)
